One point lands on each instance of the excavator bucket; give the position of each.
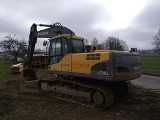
(29, 75)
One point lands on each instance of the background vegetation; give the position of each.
(5, 73)
(151, 64)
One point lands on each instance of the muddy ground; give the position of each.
(19, 101)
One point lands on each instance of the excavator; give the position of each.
(92, 78)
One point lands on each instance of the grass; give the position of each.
(151, 64)
(5, 73)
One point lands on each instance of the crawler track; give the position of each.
(78, 91)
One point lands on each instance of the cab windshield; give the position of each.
(61, 46)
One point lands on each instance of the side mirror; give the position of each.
(45, 43)
(133, 50)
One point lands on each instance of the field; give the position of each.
(5, 73)
(151, 64)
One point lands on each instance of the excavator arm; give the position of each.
(52, 31)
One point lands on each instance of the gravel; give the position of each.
(148, 82)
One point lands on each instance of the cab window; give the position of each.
(77, 46)
(58, 48)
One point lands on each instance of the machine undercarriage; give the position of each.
(86, 92)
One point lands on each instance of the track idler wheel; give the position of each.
(99, 100)
(103, 99)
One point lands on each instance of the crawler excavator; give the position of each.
(87, 78)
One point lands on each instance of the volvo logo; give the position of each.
(136, 68)
(42, 33)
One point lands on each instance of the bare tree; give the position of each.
(113, 43)
(156, 41)
(94, 42)
(100, 46)
(86, 41)
(13, 45)
(38, 51)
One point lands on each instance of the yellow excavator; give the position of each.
(92, 78)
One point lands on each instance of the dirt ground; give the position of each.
(19, 101)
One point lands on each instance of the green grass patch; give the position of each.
(5, 73)
(151, 64)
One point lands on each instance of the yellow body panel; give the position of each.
(89, 63)
(56, 67)
(66, 63)
(80, 62)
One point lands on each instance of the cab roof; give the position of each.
(67, 36)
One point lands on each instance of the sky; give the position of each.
(134, 21)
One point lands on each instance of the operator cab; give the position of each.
(63, 44)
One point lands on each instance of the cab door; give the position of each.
(66, 57)
(78, 55)
(55, 55)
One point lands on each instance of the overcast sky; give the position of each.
(134, 21)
